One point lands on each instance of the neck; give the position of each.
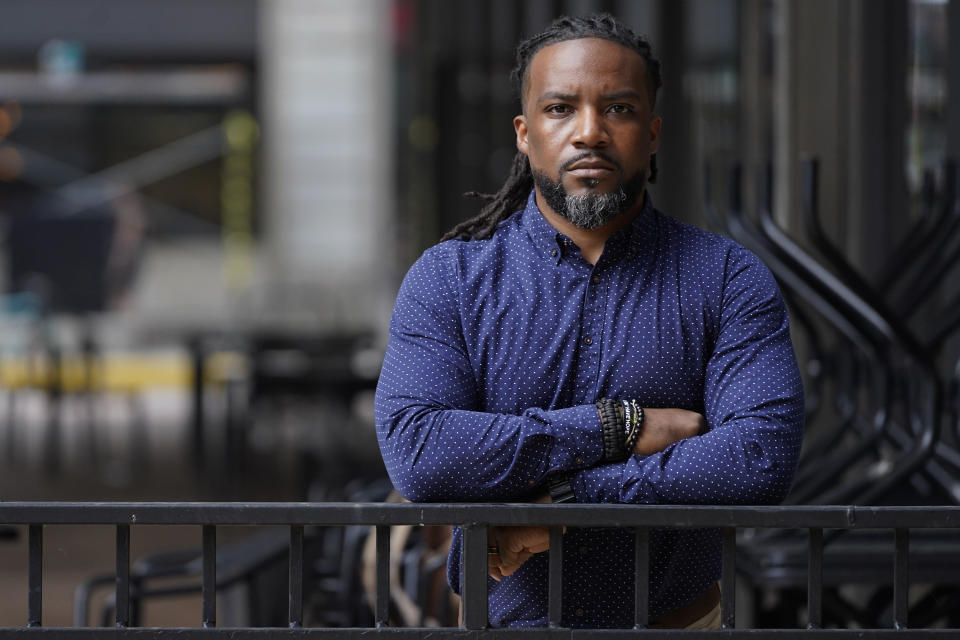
(590, 241)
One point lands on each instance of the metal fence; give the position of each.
(474, 518)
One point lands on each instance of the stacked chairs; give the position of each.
(339, 575)
(882, 403)
(419, 596)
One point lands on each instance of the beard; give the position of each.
(590, 210)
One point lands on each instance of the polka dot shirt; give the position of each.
(499, 349)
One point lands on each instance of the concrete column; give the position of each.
(838, 95)
(326, 105)
(676, 191)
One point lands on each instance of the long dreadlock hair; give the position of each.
(512, 196)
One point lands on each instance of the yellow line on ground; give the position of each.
(124, 372)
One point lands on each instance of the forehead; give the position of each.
(592, 63)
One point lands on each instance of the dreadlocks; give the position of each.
(513, 194)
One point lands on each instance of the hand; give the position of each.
(663, 427)
(515, 545)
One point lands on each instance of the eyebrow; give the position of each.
(620, 95)
(568, 97)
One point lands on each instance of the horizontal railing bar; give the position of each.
(451, 633)
(595, 515)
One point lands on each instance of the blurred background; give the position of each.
(206, 208)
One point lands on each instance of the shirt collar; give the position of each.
(551, 243)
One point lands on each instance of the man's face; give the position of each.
(587, 128)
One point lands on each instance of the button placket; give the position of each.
(589, 358)
(582, 392)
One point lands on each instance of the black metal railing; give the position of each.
(474, 518)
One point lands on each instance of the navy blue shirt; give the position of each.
(499, 349)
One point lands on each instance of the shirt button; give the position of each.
(579, 461)
(579, 612)
(583, 550)
(595, 279)
(532, 481)
(554, 253)
(588, 340)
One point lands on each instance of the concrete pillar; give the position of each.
(839, 95)
(326, 105)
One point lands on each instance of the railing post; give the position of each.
(555, 588)
(728, 587)
(383, 575)
(641, 595)
(474, 577)
(815, 580)
(901, 578)
(295, 577)
(35, 579)
(209, 586)
(123, 576)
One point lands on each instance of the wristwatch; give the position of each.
(560, 489)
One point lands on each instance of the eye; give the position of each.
(557, 109)
(620, 108)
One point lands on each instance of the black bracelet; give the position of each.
(560, 489)
(612, 429)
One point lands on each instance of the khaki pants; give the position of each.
(709, 621)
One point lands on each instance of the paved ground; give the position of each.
(140, 450)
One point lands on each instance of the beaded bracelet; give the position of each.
(637, 428)
(632, 410)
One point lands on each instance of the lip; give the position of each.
(589, 165)
(594, 172)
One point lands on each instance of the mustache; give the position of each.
(591, 155)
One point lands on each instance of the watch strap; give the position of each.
(560, 489)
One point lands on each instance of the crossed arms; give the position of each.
(438, 447)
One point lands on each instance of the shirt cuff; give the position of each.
(606, 484)
(597, 485)
(578, 443)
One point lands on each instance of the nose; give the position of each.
(590, 130)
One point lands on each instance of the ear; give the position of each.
(520, 126)
(655, 123)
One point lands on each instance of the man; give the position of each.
(572, 341)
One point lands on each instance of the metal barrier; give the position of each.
(475, 518)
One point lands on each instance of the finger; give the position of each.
(511, 546)
(535, 539)
(493, 566)
(539, 543)
(508, 568)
